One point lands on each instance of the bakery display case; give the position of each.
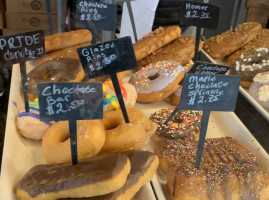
(94, 120)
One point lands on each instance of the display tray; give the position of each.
(242, 90)
(20, 154)
(220, 124)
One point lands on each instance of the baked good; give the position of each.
(248, 65)
(227, 42)
(121, 136)
(90, 177)
(143, 166)
(55, 70)
(56, 142)
(259, 89)
(175, 153)
(69, 52)
(30, 126)
(185, 124)
(154, 40)
(180, 50)
(175, 97)
(157, 81)
(67, 39)
(227, 170)
(261, 40)
(218, 181)
(110, 99)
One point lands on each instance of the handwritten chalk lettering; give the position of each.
(31, 54)
(195, 7)
(56, 91)
(87, 51)
(91, 4)
(19, 41)
(196, 14)
(205, 89)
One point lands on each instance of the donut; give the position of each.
(157, 81)
(121, 136)
(55, 70)
(184, 124)
(95, 176)
(56, 142)
(30, 126)
(259, 89)
(109, 96)
(175, 97)
(248, 65)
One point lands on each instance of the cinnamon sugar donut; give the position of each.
(184, 124)
(56, 142)
(157, 81)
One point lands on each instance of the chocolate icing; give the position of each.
(54, 70)
(140, 163)
(57, 177)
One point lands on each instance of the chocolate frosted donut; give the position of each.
(55, 70)
(184, 124)
(248, 65)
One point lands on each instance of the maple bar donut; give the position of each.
(157, 81)
(95, 176)
(248, 65)
(121, 136)
(227, 42)
(56, 142)
(184, 124)
(55, 70)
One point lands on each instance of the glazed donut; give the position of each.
(110, 100)
(30, 126)
(184, 124)
(121, 136)
(56, 142)
(55, 70)
(175, 97)
(248, 65)
(157, 81)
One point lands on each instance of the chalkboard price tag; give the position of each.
(21, 47)
(90, 14)
(108, 58)
(209, 92)
(200, 14)
(208, 68)
(70, 101)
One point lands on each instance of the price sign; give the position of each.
(95, 14)
(208, 68)
(107, 58)
(21, 47)
(199, 14)
(68, 101)
(207, 93)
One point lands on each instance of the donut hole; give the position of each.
(50, 73)
(153, 77)
(112, 125)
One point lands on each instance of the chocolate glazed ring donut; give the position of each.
(55, 70)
